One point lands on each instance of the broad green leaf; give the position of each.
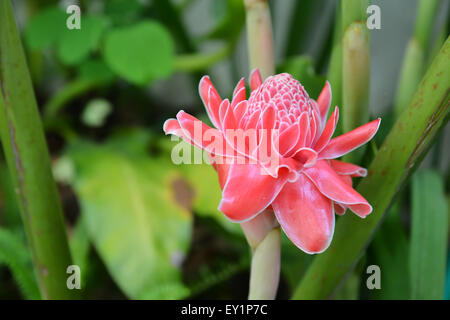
(45, 28)
(390, 252)
(140, 53)
(302, 69)
(95, 70)
(123, 12)
(76, 44)
(133, 218)
(204, 181)
(428, 236)
(14, 253)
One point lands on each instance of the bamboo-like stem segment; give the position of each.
(412, 135)
(262, 232)
(28, 160)
(355, 68)
(259, 37)
(265, 269)
(263, 236)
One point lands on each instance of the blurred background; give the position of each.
(141, 227)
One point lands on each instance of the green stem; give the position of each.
(404, 148)
(265, 269)
(66, 94)
(263, 236)
(355, 68)
(201, 61)
(28, 160)
(414, 62)
(262, 232)
(259, 37)
(425, 18)
(335, 68)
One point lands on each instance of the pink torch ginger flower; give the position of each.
(306, 185)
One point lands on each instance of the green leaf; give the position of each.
(45, 28)
(302, 69)
(428, 236)
(123, 12)
(204, 181)
(15, 255)
(390, 252)
(133, 218)
(76, 44)
(95, 71)
(140, 53)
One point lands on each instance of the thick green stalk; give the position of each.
(265, 269)
(414, 61)
(259, 37)
(404, 148)
(263, 231)
(355, 68)
(335, 68)
(28, 160)
(263, 236)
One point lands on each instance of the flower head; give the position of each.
(276, 150)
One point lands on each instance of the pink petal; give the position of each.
(172, 126)
(339, 209)
(345, 168)
(306, 156)
(222, 169)
(332, 186)
(252, 121)
(203, 136)
(304, 129)
(211, 99)
(248, 192)
(289, 138)
(350, 141)
(239, 111)
(238, 93)
(324, 101)
(305, 215)
(327, 133)
(255, 79)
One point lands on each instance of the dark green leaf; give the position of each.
(140, 53)
(390, 252)
(76, 44)
(428, 236)
(45, 28)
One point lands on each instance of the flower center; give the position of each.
(285, 94)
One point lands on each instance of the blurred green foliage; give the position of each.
(142, 227)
